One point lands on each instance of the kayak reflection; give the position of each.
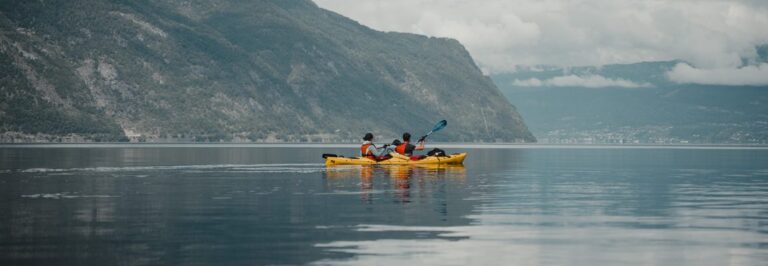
(395, 180)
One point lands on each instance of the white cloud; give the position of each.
(532, 82)
(590, 81)
(755, 75)
(502, 34)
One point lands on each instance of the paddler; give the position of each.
(406, 148)
(368, 149)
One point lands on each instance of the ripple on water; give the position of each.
(229, 168)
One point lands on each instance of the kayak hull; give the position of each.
(456, 158)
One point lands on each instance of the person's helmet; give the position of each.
(406, 136)
(368, 137)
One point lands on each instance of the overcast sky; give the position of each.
(714, 36)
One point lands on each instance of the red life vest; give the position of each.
(401, 148)
(364, 150)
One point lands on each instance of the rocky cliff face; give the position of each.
(271, 70)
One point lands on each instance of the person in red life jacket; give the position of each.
(368, 149)
(406, 148)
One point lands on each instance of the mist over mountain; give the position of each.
(635, 103)
(270, 70)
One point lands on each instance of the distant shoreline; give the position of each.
(354, 145)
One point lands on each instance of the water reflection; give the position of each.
(265, 206)
(398, 179)
(594, 207)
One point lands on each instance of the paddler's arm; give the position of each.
(379, 151)
(421, 145)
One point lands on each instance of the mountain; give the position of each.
(269, 70)
(646, 108)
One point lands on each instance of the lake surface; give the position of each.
(257, 205)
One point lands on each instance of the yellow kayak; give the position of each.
(456, 158)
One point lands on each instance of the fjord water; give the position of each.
(256, 205)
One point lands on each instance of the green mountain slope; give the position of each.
(234, 70)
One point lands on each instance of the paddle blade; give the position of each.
(440, 125)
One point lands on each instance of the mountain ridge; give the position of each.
(234, 71)
(664, 112)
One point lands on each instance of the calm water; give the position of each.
(227, 205)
